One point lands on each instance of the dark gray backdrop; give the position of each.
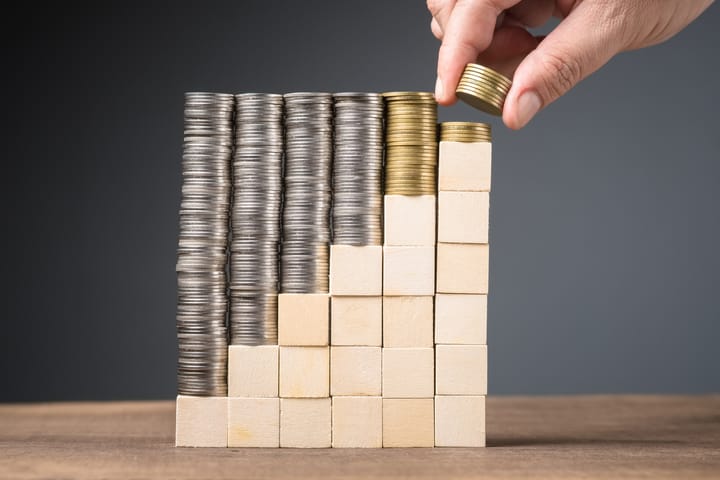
(604, 230)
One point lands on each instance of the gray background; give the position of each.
(604, 228)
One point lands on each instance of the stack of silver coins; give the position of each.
(202, 246)
(257, 183)
(306, 223)
(357, 169)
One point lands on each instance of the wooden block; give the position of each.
(408, 422)
(303, 319)
(461, 369)
(356, 321)
(461, 319)
(355, 371)
(356, 270)
(305, 422)
(253, 371)
(408, 321)
(462, 268)
(304, 372)
(408, 271)
(460, 421)
(463, 217)
(407, 372)
(201, 421)
(464, 166)
(253, 422)
(409, 220)
(357, 422)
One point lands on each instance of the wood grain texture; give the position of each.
(589, 437)
(356, 270)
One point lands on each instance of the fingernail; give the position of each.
(438, 89)
(529, 105)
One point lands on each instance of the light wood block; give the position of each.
(407, 372)
(304, 372)
(201, 421)
(410, 220)
(305, 422)
(465, 166)
(461, 369)
(253, 422)
(355, 370)
(462, 268)
(463, 217)
(408, 271)
(408, 321)
(253, 371)
(356, 270)
(461, 319)
(303, 319)
(408, 422)
(356, 321)
(357, 422)
(460, 421)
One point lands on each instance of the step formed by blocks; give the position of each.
(463, 217)
(201, 421)
(461, 319)
(408, 271)
(356, 321)
(408, 422)
(303, 319)
(357, 422)
(253, 371)
(356, 270)
(304, 372)
(305, 422)
(409, 220)
(464, 166)
(461, 369)
(253, 422)
(462, 268)
(355, 371)
(408, 372)
(407, 321)
(460, 421)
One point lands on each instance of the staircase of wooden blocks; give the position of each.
(395, 355)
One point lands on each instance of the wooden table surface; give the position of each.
(529, 437)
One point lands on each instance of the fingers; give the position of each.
(435, 28)
(440, 11)
(533, 13)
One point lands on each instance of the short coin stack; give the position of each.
(465, 132)
(483, 88)
(308, 158)
(257, 182)
(411, 143)
(202, 249)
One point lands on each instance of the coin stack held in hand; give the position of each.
(202, 245)
(411, 143)
(483, 88)
(257, 186)
(357, 169)
(306, 215)
(467, 132)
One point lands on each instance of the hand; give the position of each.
(591, 32)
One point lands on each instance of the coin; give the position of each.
(483, 88)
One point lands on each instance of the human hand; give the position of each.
(494, 33)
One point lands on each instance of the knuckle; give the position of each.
(562, 72)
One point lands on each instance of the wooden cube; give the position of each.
(304, 372)
(357, 422)
(463, 217)
(303, 319)
(407, 373)
(408, 321)
(253, 371)
(464, 166)
(356, 321)
(356, 270)
(461, 369)
(461, 319)
(253, 422)
(460, 421)
(305, 422)
(355, 371)
(408, 271)
(408, 422)
(410, 220)
(462, 268)
(201, 421)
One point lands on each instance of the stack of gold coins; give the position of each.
(483, 88)
(411, 143)
(467, 132)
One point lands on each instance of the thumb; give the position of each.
(582, 43)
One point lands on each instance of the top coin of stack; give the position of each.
(483, 88)
(411, 143)
(467, 132)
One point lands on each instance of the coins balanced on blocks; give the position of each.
(332, 272)
(483, 88)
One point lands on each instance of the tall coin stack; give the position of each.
(257, 182)
(411, 143)
(308, 157)
(202, 246)
(357, 169)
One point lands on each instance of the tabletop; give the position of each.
(608, 436)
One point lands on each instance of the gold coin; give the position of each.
(484, 71)
(480, 100)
